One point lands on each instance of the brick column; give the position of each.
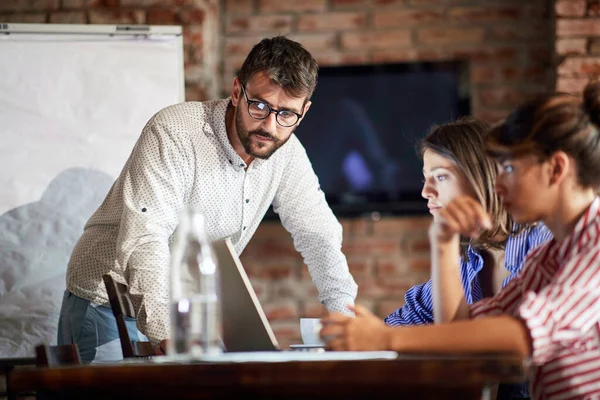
(577, 43)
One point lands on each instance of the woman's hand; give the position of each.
(462, 216)
(365, 331)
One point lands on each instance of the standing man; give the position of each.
(230, 159)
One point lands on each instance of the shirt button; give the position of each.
(247, 200)
(244, 228)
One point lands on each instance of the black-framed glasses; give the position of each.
(260, 110)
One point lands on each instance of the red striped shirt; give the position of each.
(557, 295)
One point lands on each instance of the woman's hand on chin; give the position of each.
(462, 216)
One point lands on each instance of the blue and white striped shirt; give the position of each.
(418, 307)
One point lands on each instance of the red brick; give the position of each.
(503, 96)
(315, 42)
(240, 45)
(281, 310)
(191, 16)
(382, 19)
(483, 14)
(376, 39)
(103, 3)
(332, 21)
(337, 4)
(485, 54)
(445, 36)
(160, 16)
(268, 230)
(571, 85)
(280, 24)
(595, 47)
(534, 30)
(195, 93)
(571, 46)
(117, 17)
(482, 73)
(68, 17)
(388, 56)
(578, 27)
(296, 289)
(401, 226)
(313, 309)
(193, 36)
(238, 7)
(274, 6)
(29, 5)
(388, 306)
(579, 66)
(25, 18)
(69, 4)
(570, 8)
(280, 249)
(491, 115)
(420, 265)
(270, 269)
(417, 244)
(386, 267)
(158, 3)
(535, 73)
(389, 3)
(361, 246)
(350, 226)
(593, 8)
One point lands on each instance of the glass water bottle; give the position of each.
(195, 291)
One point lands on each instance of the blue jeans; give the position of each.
(93, 328)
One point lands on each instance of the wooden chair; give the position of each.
(121, 305)
(55, 356)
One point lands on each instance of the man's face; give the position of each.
(260, 138)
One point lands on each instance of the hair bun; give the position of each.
(591, 101)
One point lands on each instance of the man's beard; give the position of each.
(263, 150)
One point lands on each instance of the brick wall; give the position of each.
(508, 42)
(577, 43)
(510, 48)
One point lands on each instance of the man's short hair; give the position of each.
(287, 64)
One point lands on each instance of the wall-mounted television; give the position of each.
(364, 124)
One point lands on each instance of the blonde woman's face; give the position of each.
(443, 181)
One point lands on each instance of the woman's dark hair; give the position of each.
(286, 62)
(463, 142)
(551, 123)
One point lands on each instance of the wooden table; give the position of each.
(414, 377)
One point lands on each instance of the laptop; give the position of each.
(245, 325)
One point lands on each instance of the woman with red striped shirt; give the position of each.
(548, 151)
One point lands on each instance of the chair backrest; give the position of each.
(55, 356)
(122, 306)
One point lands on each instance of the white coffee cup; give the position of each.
(310, 329)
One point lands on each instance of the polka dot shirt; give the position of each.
(184, 156)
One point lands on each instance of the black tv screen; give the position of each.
(363, 127)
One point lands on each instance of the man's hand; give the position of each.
(365, 331)
(462, 216)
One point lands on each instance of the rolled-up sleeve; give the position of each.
(153, 194)
(316, 232)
